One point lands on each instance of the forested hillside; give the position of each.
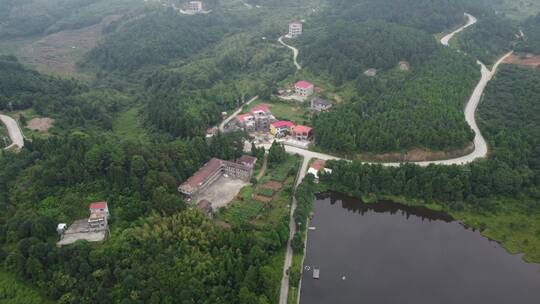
(431, 16)
(531, 40)
(489, 39)
(35, 17)
(346, 49)
(502, 189)
(73, 104)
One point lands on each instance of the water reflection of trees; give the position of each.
(357, 206)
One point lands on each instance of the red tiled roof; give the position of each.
(98, 205)
(243, 117)
(261, 107)
(202, 174)
(303, 84)
(282, 123)
(318, 164)
(301, 129)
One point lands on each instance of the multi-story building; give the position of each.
(302, 133)
(241, 168)
(195, 6)
(321, 105)
(295, 29)
(303, 88)
(281, 128)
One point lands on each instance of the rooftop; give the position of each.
(261, 108)
(318, 164)
(303, 84)
(247, 160)
(98, 205)
(200, 176)
(321, 101)
(282, 123)
(244, 117)
(302, 129)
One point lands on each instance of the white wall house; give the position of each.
(295, 29)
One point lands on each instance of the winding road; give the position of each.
(226, 121)
(15, 133)
(295, 53)
(480, 146)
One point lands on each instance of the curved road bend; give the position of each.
(295, 53)
(480, 147)
(446, 39)
(14, 131)
(226, 121)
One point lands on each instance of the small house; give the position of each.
(99, 207)
(295, 29)
(316, 167)
(302, 133)
(371, 72)
(281, 128)
(321, 105)
(246, 121)
(303, 88)
(195, 6)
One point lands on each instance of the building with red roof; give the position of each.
(264, 108)
(302, 132)
(295, 29)
(281, 128)
(303, 88)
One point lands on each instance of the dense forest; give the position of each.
(140, 184)
(490, 38)
(346, 49)
(531, 40)
(72, 103)
(422, 108)
(506, 183)
(34, 17)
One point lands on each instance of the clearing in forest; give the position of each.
(528, 60)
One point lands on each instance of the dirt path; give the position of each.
(15, 133)
(263, 168)
(295, 53)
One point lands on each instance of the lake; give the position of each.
(389, 253)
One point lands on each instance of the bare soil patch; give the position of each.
(527, 60)
(40, 124)
(59, 52)
(272, 185)
(416, 155)
(261, 198)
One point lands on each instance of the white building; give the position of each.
(295, 29)
(195, 6)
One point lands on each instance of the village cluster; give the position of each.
(216, 183)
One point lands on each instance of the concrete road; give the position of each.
(15, 133)
(446, 39)
(226, 121)
(295, 53)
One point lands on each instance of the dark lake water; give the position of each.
(390, 253)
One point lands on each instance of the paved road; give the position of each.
(295, 53)
(480, 147)
(14, 131)
(446, 39)
(226, 121)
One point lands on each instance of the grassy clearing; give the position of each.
(14, 292)
(245, 209)
(516, 230)
(292, 111)
(128, 125)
